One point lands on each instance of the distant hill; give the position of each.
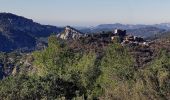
(145, 31)
(17, 32)
(110, 27)
(121, 26)
(165, 26)
(165, 35)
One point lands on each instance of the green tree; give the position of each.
(156, 76)
(117, 66)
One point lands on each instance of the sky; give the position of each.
(90, 12)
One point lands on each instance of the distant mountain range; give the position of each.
(108, 27)
(139, 29)
(17, 32)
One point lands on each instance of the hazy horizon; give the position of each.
(90, 12)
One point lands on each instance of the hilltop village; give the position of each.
(117, 35)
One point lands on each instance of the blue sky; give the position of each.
(90, 12)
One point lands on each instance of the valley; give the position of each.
(107, 62)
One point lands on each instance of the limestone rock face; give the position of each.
(70, 34)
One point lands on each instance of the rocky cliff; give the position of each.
(70, 34)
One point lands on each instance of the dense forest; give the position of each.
(63, 71)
